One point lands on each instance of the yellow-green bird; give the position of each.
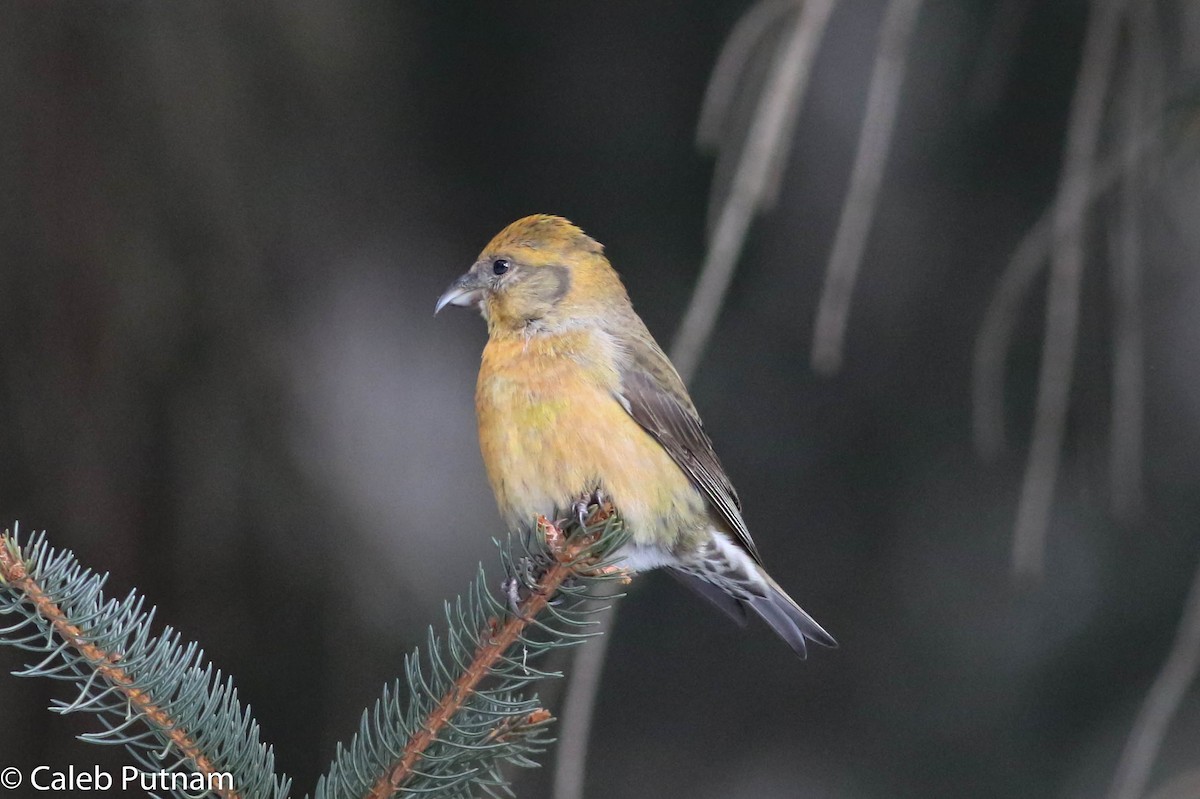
(575, 397)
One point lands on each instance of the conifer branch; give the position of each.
(444, 731)
(471, 714)
(568, 556)
(16, 577)
(125, 676)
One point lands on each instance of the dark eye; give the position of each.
(500, 266)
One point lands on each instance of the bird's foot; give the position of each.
(581, 508)
(580, 511)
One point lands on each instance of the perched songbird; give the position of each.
(575, 397)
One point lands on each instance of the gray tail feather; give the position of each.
(789, 621)
(724, 602)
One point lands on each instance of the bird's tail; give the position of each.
(789, 621)
(728, 578)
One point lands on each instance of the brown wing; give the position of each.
(654, 396)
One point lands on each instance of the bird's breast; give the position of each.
(551, 430)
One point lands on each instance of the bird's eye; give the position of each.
(500, 266)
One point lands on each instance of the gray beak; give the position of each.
(463, 292)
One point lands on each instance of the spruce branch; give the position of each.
(445, 730)
(467, 711)
(152, 694)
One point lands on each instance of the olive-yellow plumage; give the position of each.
(530, 400)
(574, 396)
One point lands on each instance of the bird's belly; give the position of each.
(551, 437)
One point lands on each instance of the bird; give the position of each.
(575, 398)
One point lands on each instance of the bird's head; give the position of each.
(539, 271)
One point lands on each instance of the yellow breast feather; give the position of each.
(552, 431)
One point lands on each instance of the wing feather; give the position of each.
(653, 394)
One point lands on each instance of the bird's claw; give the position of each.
(597, 497)
(580, 509)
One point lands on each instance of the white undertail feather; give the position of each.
(641, 558)
(728, 576)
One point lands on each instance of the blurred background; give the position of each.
(223, 227)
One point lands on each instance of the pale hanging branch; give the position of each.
(866, 177)
(1026, 264)
(996, 54)
(1143, 102)
(781, 93)
(1128, 383)
(995, 336)
(1181, 786)
(740, 46)
(1161, 702)
(578, 710)
(1066, 273)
